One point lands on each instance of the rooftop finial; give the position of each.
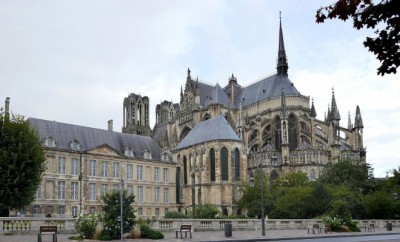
(282, 65)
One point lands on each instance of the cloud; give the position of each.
(75, 61)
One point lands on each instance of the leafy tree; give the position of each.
(22, 163)
(354, 175)
(207, 211)
(251, 198)
(293, 203)
(354, 200)
(112, 213)
(294, 179)
(380, 205)
(383, 16)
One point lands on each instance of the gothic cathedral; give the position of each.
(217, 135)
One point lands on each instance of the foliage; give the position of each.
(351, 174)
(86, 225)
(175, 214)
(148, 233)
(294, 179)
(382, 16)
(293, 203)
(353, 199)
(251, 198)
(22, 162)
(333, 222)
(379, 205)
(112, 213)
(79, 238)
(207, 211)
(341, 210)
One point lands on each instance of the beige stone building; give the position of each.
(82, 163)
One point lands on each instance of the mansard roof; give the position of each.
(216, 128)
(218, 96)
(89, 138)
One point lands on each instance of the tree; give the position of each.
(22, 163)
(112, 213)
(382, 16)
(251, 198)
(354, 175)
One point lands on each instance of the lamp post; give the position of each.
(252, 181)
(122, 204)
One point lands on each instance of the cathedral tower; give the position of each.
(136, 115)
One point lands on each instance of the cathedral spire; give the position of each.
(358, 123)
(312, 111)
(335, 115)
(282, 66)
(349, 124)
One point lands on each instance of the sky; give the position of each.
(75, 61)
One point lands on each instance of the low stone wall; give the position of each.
(31, 225)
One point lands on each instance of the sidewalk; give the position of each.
(271, 235)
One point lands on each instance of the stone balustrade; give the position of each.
(31, 225)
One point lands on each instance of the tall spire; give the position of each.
(358, 123)
(335, 115)
(312, 111)
(349, 124)
(282, 66)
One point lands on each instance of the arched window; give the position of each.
(292, 132)
(267, 136)
(206, 117)
(312, 175)
(274, 175)
(237, 164)
(277, 134)
(184, 170)
(185, 131)
(212, 165)
(224, 165)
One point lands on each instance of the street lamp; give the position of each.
(122, 204)
(252, 181)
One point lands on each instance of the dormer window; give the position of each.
(147, 155)
(164, 156)
(49, 142)
(74, 145)
(129, 152)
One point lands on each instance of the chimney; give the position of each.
(110, 125)
(7, 108)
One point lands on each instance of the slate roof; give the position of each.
(160, 131)
(264, 89)
(90, 138)
(205, 91)
(218, 96)
(216, 128)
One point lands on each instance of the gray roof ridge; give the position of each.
(216, 128)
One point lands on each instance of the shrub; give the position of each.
(147, 233)
(175, 214)
(205, 211)
(112, 213)
(86, 225)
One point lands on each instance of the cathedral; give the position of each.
(218, 135)
(199, 151)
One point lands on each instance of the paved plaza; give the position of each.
(271, 235)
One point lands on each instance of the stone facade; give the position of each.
(276, 124)
(78, 173)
